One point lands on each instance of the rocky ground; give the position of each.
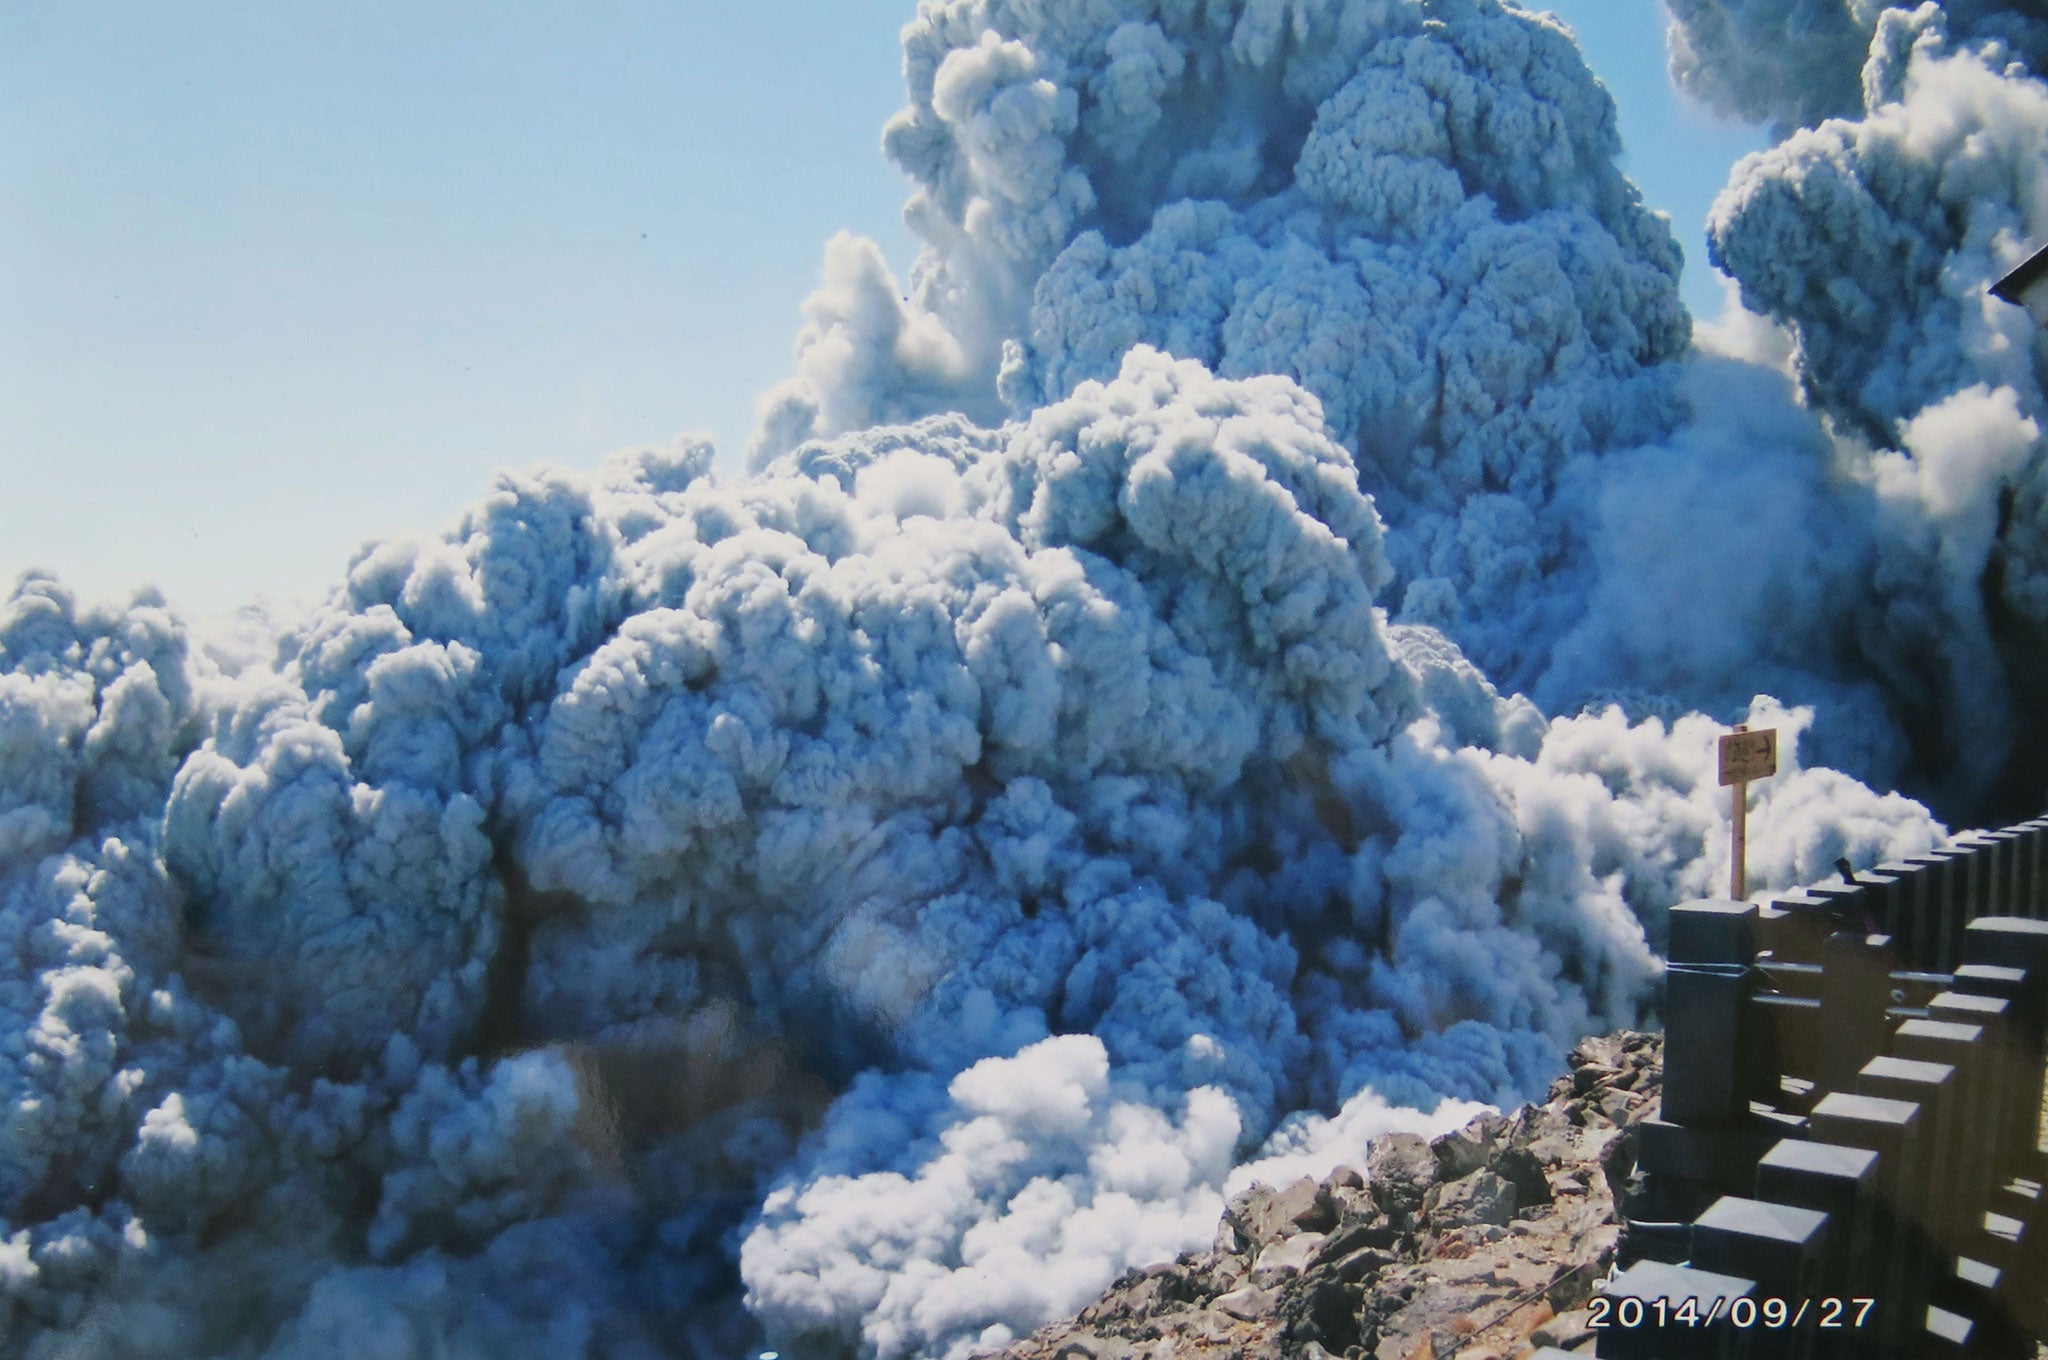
(1482, 1245)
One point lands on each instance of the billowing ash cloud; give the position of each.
(1377, 200)
(1050, 805)
(1767, 61)
(1794, 64)
(99, 707)
(1208, 677)
(1411, 209)
(1873, 239)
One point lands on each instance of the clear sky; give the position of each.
(278, 277)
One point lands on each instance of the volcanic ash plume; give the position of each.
(865, 905)
(1795, 65)
(1411, 209)
(1414, 211)
(1873, 239)
(1054, 797)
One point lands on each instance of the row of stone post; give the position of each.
(1853, 1106)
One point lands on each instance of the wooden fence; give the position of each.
(1849, 1160)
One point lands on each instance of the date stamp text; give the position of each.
(1827, 1314)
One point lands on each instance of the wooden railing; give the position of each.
(1849, 1160)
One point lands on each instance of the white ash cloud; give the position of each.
(1057, 794)
(1208, 677)
(1414, 210)
(1411, 209)
(1872, 238)
(1795, 64)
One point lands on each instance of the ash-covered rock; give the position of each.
(1484, 1244)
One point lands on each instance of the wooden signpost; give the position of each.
(1745, 755)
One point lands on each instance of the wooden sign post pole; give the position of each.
(1738, 868)
(1745, 755)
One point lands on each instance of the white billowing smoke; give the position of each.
(1043, 1181)
(1413, 210)
(1055, 796)
(1873, 239)
(1099, 754)
(1796, 64)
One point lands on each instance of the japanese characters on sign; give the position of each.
(1748, 755)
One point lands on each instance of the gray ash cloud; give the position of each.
(1225, 666)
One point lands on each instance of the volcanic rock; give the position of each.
(1487, 1242)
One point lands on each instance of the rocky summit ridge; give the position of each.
(1483, 1244)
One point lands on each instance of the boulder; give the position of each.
(1399, 1170)
(1362, 1264)
(1566, 1330)
(1359, 1234)
(1263, 1215)
(1288, 1256)
(1247, 1302)
(1322, 1312)
(1521, 1168)
(1480, 1198)
(1463, 1151)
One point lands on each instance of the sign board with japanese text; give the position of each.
(1748, 755)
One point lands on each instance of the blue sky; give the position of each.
(275, 278)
